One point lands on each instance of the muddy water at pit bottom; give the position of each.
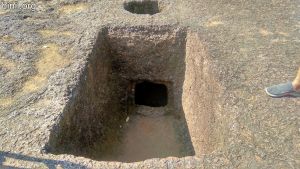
(149, 137)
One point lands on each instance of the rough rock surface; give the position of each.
(251, 44)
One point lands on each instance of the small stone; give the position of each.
(127, 119)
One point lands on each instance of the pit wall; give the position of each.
(200, 96)
(91, 112)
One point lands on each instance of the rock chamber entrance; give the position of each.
(151, 94)
(137, 99)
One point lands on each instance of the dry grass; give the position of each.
(9, 64)
(47, 33)
(69, 9)
(51, 61)
(5, 102)
(265, 32)
(214, 23)
(7, 38)
(20, 48)
(2, 12)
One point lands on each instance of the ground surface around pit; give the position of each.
(252, 44)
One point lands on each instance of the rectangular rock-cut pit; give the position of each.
(133, 102)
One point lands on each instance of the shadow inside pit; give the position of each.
(142, 7)
(51, 164)
(102, 122)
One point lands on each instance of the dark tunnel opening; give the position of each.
(151, 94)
